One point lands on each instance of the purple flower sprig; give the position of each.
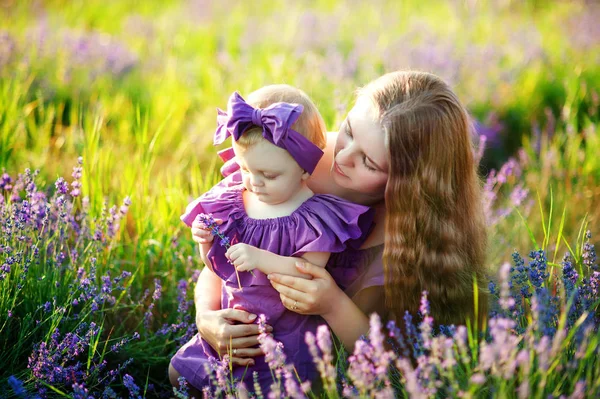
(209, 222)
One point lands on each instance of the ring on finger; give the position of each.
(295, 307)
(235, 352)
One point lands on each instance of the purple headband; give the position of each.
(275, 121)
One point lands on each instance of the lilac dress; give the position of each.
(323, 223)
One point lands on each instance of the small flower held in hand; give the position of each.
(244, 257)
(209, 222)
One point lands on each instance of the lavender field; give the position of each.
(107, 113)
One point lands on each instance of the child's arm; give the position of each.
(246, 257)
(273, 263)
(203, 236)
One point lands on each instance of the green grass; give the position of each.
(147, 133)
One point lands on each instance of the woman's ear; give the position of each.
(305, 176)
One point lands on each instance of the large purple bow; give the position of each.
(275, 121)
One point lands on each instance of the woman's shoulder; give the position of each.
(357, 269)
(338, 203)
(321, 181)
(354, 269)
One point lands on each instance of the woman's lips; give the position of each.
(338, 170)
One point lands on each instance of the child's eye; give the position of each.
(270, 177)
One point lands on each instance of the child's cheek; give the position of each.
(246, 182)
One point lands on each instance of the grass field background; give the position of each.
(131, 87)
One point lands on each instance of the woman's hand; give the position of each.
(202, 234)
(231, 331)
(317, 296)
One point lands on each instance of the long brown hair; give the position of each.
(435, 235)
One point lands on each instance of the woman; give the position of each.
(405, 149)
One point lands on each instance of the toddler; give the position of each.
(271, 218)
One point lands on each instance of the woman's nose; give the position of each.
(345, 156)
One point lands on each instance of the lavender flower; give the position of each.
(498, 355)
(480, 149)
(537, 268)
(80, 392)
(183, 391)
(545, 312)
(125, 207)
(273, 350)
(17, 386)
(134, 390)
(589, 253)
(570, 276)
(209, 222)
(506, 301)
(77, 173)
(7, 48)
(121, 343)
(426, 325)
(490, 130)
(411, 379)
(155, 297)
(369, 364)
(61, 186)
(323, 361)
(580, 390)
(6, 182)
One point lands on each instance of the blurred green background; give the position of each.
(132, 86)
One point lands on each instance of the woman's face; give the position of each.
(360, 157)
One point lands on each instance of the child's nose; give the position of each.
(256, 180)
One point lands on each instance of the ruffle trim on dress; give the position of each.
(322, 223)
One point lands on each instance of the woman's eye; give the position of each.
(347, 129)
(367, 166)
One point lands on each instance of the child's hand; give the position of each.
(244, 257)
(202, 234)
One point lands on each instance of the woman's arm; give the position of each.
(207, 294)
(225, 329)
(321, 296)
(204, 248)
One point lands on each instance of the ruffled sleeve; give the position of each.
(327, 223)
(231, 166)
(220, 200)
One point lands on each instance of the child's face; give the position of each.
(269, 172)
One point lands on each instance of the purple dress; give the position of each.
(323, 223)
